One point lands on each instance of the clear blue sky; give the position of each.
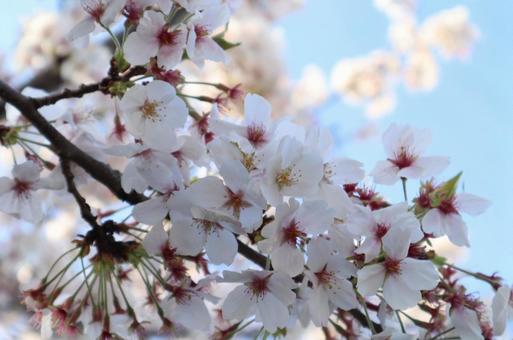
(470, 112)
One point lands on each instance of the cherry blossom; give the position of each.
(154, 38)
(328, 274)
(287, 235)
(445, 218)
(265, 294)
(502, 309)
(151, 111)
(20, 196)
(401, 277)
(404, 147)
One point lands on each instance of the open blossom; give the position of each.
(374, 226)
(155, 38)
(404, 147)
(152, 112)
(266, 294)
(401, 277)
(200, 45)
(446, 219)
(292, 171)
(102, 12)
(330, 288)
(20, 197)
(210, 229)
(286, 236)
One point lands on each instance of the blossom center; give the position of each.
(403, 159)
(166, 37)
(95, 8)
(259, 286)
(207, 225)
(256, 135)
(235, 201)
(448, 207)
(392, 266)
(286, 178)
(149, 109)
(324, 277)
(22, 188)
(381, 230)
(201, 32)
(292, 234)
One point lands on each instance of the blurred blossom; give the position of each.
(451, 32)
(421, 70)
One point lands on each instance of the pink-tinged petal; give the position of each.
(432, 223)
(471, 204)
(5, 184)
(238, 304)
(432, 165)
(342, 295)
(208, 192)
(186, 238)
(221, 247)
(500, 306)
(419, 274)
(83, 28)
(318, 304)
(26, 172)
(139, 49)
(287, 259)
(318, 254)
(208, 49)
(397, 242)
(155, 239)
(272, 312)
(281, 285)
(193, 314)
(170, 55)
(456, 229)
(152, 211)
(257, 110)
(235, 175)
(315, 216)
(397, 293)
(250, 218)
(370, 279)
(466, 323)
(346, 171)
(414, 171)
(385, 173)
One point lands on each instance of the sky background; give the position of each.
(469, 112)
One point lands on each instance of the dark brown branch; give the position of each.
(85, 209)
(100, 171)
(84, 89)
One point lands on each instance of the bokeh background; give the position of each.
(468, 108)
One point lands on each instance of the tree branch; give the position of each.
(100, 171)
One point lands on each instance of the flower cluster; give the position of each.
(195, 192)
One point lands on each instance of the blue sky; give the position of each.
(469, 112)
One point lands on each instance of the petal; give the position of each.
(187, 239)
(466, 323)
(193, 314)
(396, 242)
(385, 173)
(234, 174)
(419, 274)
(397, 293)
(238, 304)
(370, 279)
(342, 294)
(221, 247)
(432, 165)
(155, 239)
(318, 304)
(139, 49)
(456, 229)
(257, 110)
(471, 204)
(152, 211)
(272, 312)
(287, 259)
(432, 223)
(500, 309)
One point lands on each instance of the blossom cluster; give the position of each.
(199, 191)
(371, 80)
